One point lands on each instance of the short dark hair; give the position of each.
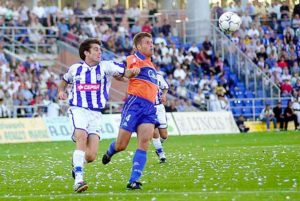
(86, 45)
(139, 36)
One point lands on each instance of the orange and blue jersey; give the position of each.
(143, 85)
(139, 107)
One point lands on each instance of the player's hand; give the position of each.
(163, 98)
(135, 71)
(62, 95)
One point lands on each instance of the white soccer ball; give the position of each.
(229, 22)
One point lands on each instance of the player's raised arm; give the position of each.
(121, 79)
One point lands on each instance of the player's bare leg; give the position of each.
(158, 146)
(117, 146)
(163, 133)
(79, 160)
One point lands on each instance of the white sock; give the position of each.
(156, 143)
(78, 161)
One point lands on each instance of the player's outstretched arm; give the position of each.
(121, 79)
(129, 73)
(62, 94)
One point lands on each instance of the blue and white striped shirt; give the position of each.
(90, 84)
(162, 85)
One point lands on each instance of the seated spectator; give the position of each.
(92, 11)
(165, 28)
(199, 98)
(133, 13)
(164, 49)
(166, 60)
(189, 107)
(147, 27)
(267, 115)
(181, 90)
(286, 88)
(171, 106)
(286, 75)
(289, 115)
(296, 107)
(136, 28)
(179, 73)
(189, 57)
(77, 10)
(220, 90)
(240, 122)
(160, 39)
(68, 10)
(277, 110)
(284, 10)
(194, 49)
(296, 22)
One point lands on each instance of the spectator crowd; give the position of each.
(269, 35)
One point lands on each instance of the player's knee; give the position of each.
(81, 136)
(120, 147)
(163, 134)
(90, 157)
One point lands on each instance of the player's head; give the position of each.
(143, 43)
(90, 50)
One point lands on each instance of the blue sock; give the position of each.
(138, 164)
(111, 149)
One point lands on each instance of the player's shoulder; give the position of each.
(109, 63)
(77, 65)
(131, 59)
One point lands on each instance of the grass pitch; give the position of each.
(263, 166)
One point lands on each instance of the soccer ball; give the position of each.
(229, 22)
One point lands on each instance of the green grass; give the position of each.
(264, 166)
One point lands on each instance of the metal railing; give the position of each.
(252, 107)
(247, 71)
(32, 40)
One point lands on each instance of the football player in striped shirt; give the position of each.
(90, 80)
(139, 112)
(161, 133)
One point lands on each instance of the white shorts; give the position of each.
(85, 119)
(161, 116)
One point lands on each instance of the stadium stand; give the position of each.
(196, 72)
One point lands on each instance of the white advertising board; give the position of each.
(197, 123)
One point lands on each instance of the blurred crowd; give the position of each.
(268, 35)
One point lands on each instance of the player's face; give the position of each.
(94, 54)
(146, 46)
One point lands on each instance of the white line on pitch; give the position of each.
(145, 193)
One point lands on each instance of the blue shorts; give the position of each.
(137, 111)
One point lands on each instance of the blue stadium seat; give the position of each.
(249, 94)
(247, 103)
(187, 46)
(238, 103)
(175, 39)
(284, 103)
(258, 103)
(247, 112)
(236, 112)
(199, 45)
(260, 93)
